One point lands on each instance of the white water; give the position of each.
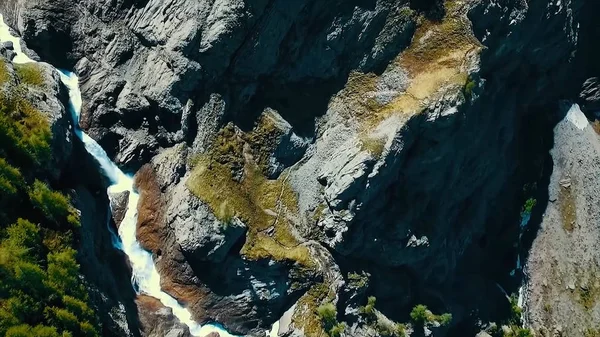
(145, 277)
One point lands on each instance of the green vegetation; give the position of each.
(528, 207)
(588, 292)
(24, 132)
(266, 206)
(434, 62)
(306, 316)
(387, 328)
(4, 76)
(55, 205)
(30, 74)
(469, 86)
(369, 309)
(512, 326)
(358, 281)
(421, 316)
(41, 293)
(591, 333)
(383, 326)
(328, 315)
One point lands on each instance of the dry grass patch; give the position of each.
(306, 316)
(229, 181)
(588, 293)
(596, 126)
(375, 146)
(263, 140)
(434, 62)
(30, 74)
(566, 199)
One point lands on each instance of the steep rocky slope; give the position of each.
(296, 153)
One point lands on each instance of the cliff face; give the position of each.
(293, 147)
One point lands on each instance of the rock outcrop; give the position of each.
(562, 290)
(285, 147)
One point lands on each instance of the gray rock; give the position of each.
(590, 95)
(563, 256)
(119, 203)
(197, 231)
(157, 320)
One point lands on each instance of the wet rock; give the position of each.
(119, 203)
(150, 224)
(157, 320)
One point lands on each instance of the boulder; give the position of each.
(119, 203)
(198, 232)
(156, 320)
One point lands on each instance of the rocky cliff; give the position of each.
(293, 154)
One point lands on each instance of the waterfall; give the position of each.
(145, 277)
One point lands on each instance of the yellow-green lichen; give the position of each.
(434, 62)
(263, 140)
(233, 185)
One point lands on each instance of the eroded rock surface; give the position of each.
(284, 147)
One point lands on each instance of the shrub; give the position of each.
(337, 330)
(444, 319)
(10, 179)
(515, 311)
(24, 234)
(78, 307)
(63, 272)
(420, 315)
(4, 76)
(24, 132)
(62, 318)
(327, 313)
(369, 309)
(54, 205)
(528, 207)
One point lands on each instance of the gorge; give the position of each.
(312, 168)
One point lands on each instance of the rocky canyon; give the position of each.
(302, 167)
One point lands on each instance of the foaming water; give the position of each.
(145, 277)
